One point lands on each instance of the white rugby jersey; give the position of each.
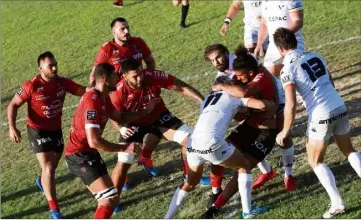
(231, 58)
(217, 112)
(308, 72)
(275, 14)
(252, 10)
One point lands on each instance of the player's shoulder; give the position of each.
(121, 85)
(91, 95)
(136, 40)
(108, 46)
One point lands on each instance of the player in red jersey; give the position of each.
(255, 137)
(45, 95)
(136, 89)
(81, 152)
(122, 47)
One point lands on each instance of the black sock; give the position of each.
(184, 13)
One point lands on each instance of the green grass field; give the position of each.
(74, 30)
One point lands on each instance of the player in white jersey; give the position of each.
(207, 144)
(306, 73)
(275, 14)
(251, 20)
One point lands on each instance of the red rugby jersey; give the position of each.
(92, 111)
(126, 99)
(45, 101)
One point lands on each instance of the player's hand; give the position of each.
(258, 51)
(217, 87)
(15, 135)
(152, 104)
(224, 29)
(281, 137)
(133, 148)
(128, 132)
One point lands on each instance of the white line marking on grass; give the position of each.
(207, 73)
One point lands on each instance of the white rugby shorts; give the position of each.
(251, 36)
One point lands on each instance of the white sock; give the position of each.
(244, 187)
(216, 190)
(287, 158)
(177, 200)
(264, 167)
(327, 179)
(355, 160)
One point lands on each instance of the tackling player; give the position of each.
(306, 73)
(45, 95)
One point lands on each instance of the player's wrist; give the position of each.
(227, 20)
(123, 130)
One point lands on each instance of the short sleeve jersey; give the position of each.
(217, 111)
(114, 54)
(126, 99)
(276, 15)
(45, 101)
(308, 72)
(92, 112)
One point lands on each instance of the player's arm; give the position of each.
(296, 18)
(262, 35)
(14, 133)
(231, 14)
(187, 90)
(238, 91)
(150, 62)
(263, 105)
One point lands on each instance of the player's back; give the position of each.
(217, 112)
(308, 71)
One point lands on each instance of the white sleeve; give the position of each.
(287, 76)
(294, 5)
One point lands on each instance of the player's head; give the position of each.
(120, 29)
(132, 72)
(48, 66)
(105, 77)
(285, 40)
(224, 80)
(245, 68)
(218, 55)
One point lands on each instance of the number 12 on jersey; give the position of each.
(212, 99)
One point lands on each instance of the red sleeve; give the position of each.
(70, 86)
(116, 101)
(92, 112)
(145, 49)
(160, 78)
(25, 91)
(102, 56)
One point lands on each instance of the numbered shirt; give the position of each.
(276, 15)
(217, 111)
(45, 101)
(126, 99)
(308, 72)
(92, 112)
(252, 11)
(114, 54)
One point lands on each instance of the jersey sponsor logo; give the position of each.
(330, 120)
(298, 57)
(41, 97)
(137, 56)
(157, 74)
(277, 18)
(53, 109)
(21, 90)
(43, 140)
(281, 6)
(164, 118)
(260, 147)
(94, 96)
(40, 89)
(192, 150)
(285, 79)
(256, 4)
(91, 115)
(60, 93)
(115, 52)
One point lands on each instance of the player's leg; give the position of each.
(318, 139)
(176, 2)
(151, 141)
(216, 176)
(184, 10)
(118, 3)
(273, 60)
(250, 38)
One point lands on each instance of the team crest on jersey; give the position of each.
(21, 90)
(91, 115)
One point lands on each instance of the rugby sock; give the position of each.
(185, 9)
(220, 202)
(216, 176)
(177, 200)
(326, 178)
(185, 165)
(264, 167)
(287, 158)
(103, 212)
(147, 153)
(355, 160)
(53, 205)
(244, 187)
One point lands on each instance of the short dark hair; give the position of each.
(213, 47)
(241, 51)
(224, 80)
(285, 38)
(129, 64)
(245, 62)
(118, 19)
(46, 54)
(103, 69)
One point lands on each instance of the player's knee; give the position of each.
(176, 2)
(181, 135)
(313, 162)
(188, 186)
